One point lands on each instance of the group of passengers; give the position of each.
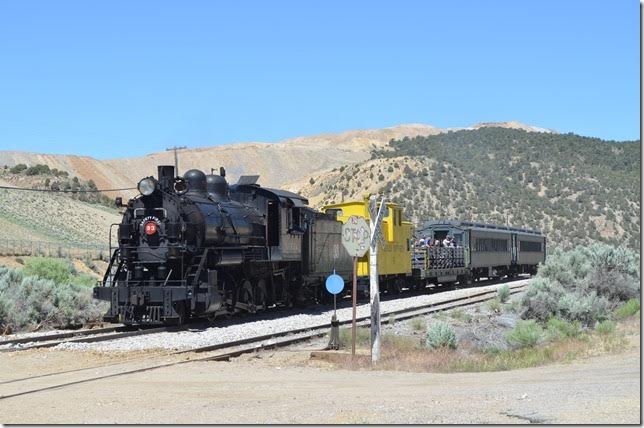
(440, 255)
(426, 242)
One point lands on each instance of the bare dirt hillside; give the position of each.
(277, 163)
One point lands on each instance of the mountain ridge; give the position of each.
(277, 163)
(575, 189)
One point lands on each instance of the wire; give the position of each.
(66, 191)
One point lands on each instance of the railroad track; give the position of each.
(82, 336)
(122, 331)
(225, 351)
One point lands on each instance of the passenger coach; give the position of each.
(491, 250)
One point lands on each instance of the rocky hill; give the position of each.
(575, 189)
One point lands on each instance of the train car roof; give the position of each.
(281, 195)
(478, 226)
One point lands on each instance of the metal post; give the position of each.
(334, 337)
(354, 294)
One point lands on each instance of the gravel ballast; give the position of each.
(216, 335)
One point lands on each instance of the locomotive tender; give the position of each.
(193, 246)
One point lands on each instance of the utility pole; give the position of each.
(176, 158)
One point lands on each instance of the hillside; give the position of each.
(277, 163)
(575, 189)
(63, 218)
(74, 219)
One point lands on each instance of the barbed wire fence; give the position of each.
(20, 247)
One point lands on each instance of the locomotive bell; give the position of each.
(196, 181)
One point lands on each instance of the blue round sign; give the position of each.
(334, 283)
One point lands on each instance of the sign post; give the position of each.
(334, 285)
(374, 292)
(355, 238)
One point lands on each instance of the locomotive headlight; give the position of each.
(147, 186)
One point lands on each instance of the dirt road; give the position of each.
(285, 387)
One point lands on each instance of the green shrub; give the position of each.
(18, 168)
(392, 319)
(84, 279)
(585, 308)
(439, 335)
(628, 309)
(61, 271)
(559, 328)
(503, 293)
(494, 305)
(513, 306)
(541, 299)
(29, 301)
(418, 324)
(525, 334)
(5, 307)
(58, 270)
(605, 327)
(38, 170)
(363, 336)
(583, 284)
(460, 314)
(614, 285)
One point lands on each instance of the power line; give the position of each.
(67, 191)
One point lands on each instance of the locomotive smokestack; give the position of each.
(166, 176)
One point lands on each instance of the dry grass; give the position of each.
(404, 353)
(418, 324)
(494, 305)
(49, 217)
(460, 315)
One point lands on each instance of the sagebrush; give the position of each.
(440, 335)
(525, 334)
(585, 284)
(30, 302)
(503, 293)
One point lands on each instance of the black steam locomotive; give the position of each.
(195, 246)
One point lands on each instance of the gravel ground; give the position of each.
(216, 335)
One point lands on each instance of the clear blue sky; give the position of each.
(123, 78)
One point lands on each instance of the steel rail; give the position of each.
(56, 336)
(95, 337)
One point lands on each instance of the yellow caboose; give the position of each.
(394, 258)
